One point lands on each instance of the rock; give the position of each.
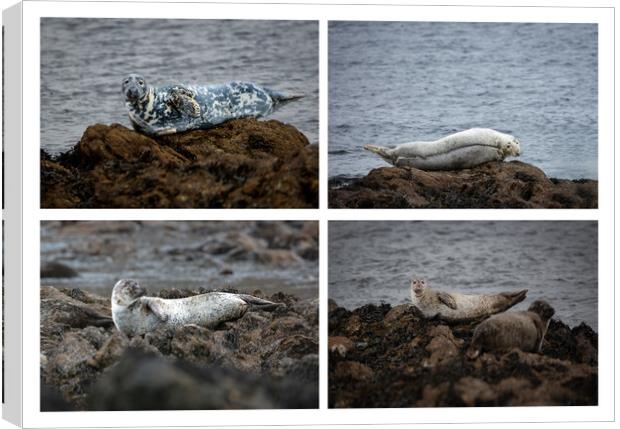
(279, 347)
(340, 345)
(57, 270)
(146, 382)
(492, 185)
(241, 163)
(411, 361)
(353, 370)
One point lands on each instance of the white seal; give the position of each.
(465, 149)
(136, 314)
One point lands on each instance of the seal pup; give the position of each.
(136, 314)
(458, 308)
(465, 149)
(524, 330)
(175, 108)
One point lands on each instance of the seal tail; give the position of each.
(259, 303)
(515, 297)
(282, 98)
(381, 151)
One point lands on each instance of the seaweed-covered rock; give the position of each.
(394, 358)
(271, 357)
(241, 163)
(492, 185)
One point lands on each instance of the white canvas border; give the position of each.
(32, 214)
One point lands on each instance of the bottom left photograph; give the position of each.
(179, 315)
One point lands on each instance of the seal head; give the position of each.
(134, 88)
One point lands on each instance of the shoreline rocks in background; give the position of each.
(257, 361)
(388, 357)
(241, 163)
(492, 185)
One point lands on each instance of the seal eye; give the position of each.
(140, 82)
(126, 81)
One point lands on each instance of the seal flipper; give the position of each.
(514, 297)
(157, 310)
(281, 98)
(183, 100)
(258, 303)
(381, 151)
(447, 299)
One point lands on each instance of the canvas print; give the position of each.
(463, 115)
(179, 315)
(169, 113)
(463, 314)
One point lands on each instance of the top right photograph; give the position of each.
(463, 115)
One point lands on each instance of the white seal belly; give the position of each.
(465, 149)
(136, 314)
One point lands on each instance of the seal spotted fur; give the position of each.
(175, 108)
(136, 314)
(521, 329)
(465, 149)
(456, 307)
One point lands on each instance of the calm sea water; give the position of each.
(395, 82)
(371, 262)
(83, 62)
(164, 255)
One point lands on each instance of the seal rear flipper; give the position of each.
(381, 151)
(281, 98)
(259, 303)
(515, 297)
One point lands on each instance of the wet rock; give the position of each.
(419, 362)
(113, 166)
(57, 270)
(492, 185)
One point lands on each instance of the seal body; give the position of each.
(465, 149)
(175, 108)
(136, 314)
(456, 308)
(524, 330)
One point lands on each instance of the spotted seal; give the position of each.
(136, 314)
(465, 149)
(175, 108)
(524, 330)
(456, 307)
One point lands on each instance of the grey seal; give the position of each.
(175, 108)
(465, 149)
(456, 308)
(136, 314)
(524, 330)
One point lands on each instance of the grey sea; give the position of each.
(396, 82)
(83, 62)
(373, 262)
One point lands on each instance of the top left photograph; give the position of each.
(179, 113)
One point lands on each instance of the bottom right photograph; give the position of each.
(467, 313)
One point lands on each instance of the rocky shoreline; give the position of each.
(262, 360)
(389, 357)
(243, 163)
(492, 185)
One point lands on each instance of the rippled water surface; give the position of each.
(395, 82)
(83, 62)
(370, 262)
(164, 255)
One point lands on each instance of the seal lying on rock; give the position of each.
(456, 307)
(175, 108)
(522, 329)
(136, 314)
(465, 149)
